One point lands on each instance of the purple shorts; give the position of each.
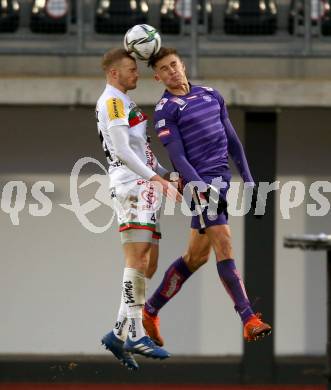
(204, 220)
(198, 221)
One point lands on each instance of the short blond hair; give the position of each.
(112, 56)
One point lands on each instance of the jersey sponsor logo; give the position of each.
(164, 133)
(160, 104)
(207, 98)
(115, 108)
(160, 123)
(150, 197)
(177, 100)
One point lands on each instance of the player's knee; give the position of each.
(140, 263)
(203, 258)
(195, 260)
(138, 259)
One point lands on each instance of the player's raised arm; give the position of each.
(235, 147)
(237, 152)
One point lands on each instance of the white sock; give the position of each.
(136, 329)
(121, 328)
(134, 297)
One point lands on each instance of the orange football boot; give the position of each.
(255, 329)
(152, 327)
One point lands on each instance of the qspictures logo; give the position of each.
(314, 198)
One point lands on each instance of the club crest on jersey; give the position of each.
(177, 100)
(164, 133)
(160, 104)
(160, 123)
(136, 116)
(207, 98)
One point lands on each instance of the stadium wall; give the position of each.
(248, 81)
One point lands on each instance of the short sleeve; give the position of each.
(115, 113)
(165, 125)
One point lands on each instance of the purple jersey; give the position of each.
(197, 120)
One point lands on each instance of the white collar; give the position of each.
(119, 92)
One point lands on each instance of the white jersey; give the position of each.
(115, 108)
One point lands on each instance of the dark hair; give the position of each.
(113, 56)
(163, 52)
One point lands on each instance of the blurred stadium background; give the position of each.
(59, 283)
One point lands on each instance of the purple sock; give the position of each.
(234, 285)
(171, 283)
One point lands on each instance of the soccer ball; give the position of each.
(142, 41)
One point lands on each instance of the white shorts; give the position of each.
(137, 205)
